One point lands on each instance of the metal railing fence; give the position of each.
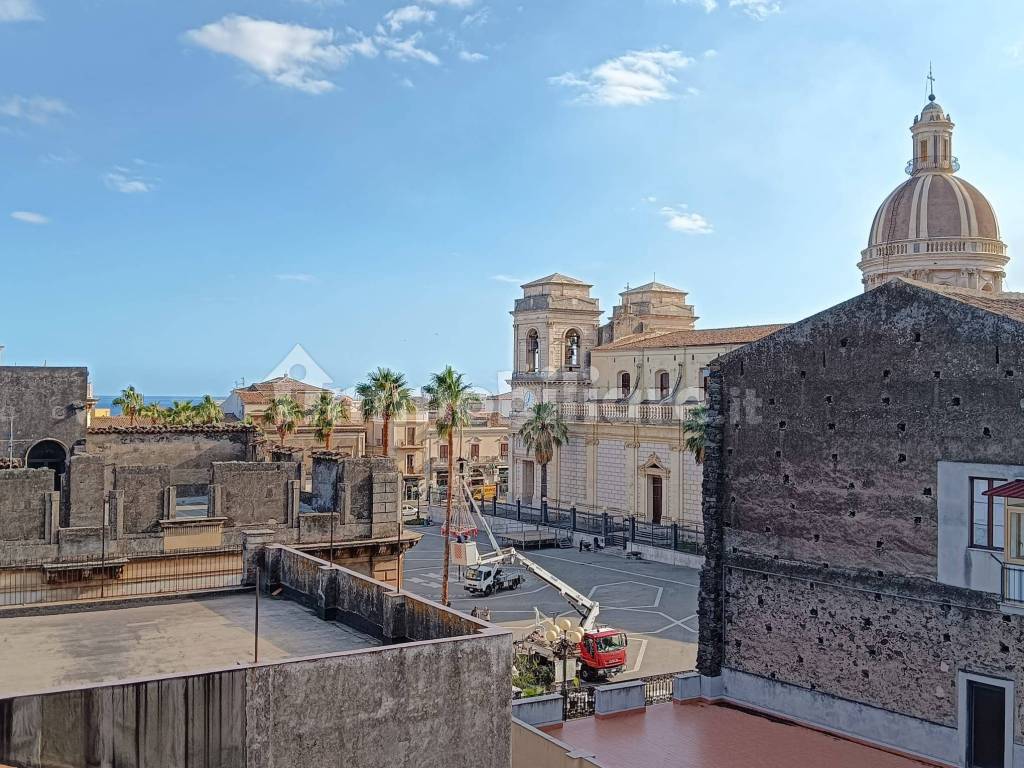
(94, 578)
(616, 530)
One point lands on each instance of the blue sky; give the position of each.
(190, 188)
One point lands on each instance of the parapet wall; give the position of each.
(442, 702)
(373, 606)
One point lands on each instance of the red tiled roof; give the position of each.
(743, 334)
(250, 397)
(284, 385)
(1011, 490)
(701, 735)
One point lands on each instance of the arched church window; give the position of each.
(624, 383)
(572, 349)
(532, 352)
(663, 385)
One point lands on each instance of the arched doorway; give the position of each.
(48, 454)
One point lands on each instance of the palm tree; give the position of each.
(182, 413)
(385, 396)
(696, 428)
(130, 401)
(542, 433)
(283, 414)
(154, 412)
(327, 412)
(208, 412)
(453, 400)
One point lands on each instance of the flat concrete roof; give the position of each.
(700, 735)
(183, 636)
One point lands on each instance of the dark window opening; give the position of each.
(663, 385)
(532, 352)
(986, 723)
(572, 349)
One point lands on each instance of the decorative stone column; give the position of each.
(632, 464)
(675, 490)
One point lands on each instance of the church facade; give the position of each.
(624, 388)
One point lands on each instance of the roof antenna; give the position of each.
(931, 83)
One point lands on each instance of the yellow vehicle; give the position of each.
(485, 492)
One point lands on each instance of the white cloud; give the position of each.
(508, 279)
(288, 54)
(472, 56)
(757, 9)
(19, 10)
(36, 109)
(127, 181)
(29, 217)
(707, 5)
(710, 53)
(678, 219)
(406, 50)
(395, 19)
(638, 77)
(297, 277)
(1015, 51)
(453, 3)
(477, 18)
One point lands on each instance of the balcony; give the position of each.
(573, 374)
(924, 164)
(1013, 585)
(643, 413)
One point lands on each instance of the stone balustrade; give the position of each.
(646, 413)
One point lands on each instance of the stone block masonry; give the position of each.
(46, 402)
(143, 503)
(85, 490)
(254, 492)
(23, 503)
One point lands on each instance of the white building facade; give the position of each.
(624, 389)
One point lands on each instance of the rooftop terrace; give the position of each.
(166, 638)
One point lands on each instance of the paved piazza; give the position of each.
(655, 604)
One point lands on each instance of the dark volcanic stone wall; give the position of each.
(820, 500)
(886, 642)
(834, 427)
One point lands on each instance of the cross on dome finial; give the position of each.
(931, 83)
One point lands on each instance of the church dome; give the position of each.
(933, 205)
(935, 226)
